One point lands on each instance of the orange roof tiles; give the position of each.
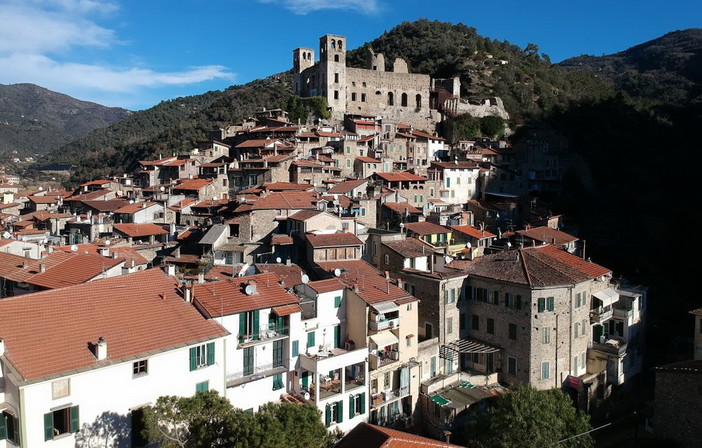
(367, 435)
(473, 232)
(287, 310)
(192, 184)
(548, 235)
(225, 297)
(365, 159)
(326, 285)
(426, 228)
(133, 208)
(402, 207)
(47, 333)
(135, 230)
(400, 177)
(346, 186)
(288, 200)
(286, 186)
(333, 240)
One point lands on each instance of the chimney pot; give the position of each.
(42, 267)
(101, 349)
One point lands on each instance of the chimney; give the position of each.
(187, 293)
(2, 347)
(115, 255)
(101, 349)
(170, 270)
(288, 262)
(105, 251)
(42, 267)
(201, 277)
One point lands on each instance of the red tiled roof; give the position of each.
(288, 200)
(426, 228)
(326, 285)
(95, 182)
(401, 207)
(371, 283)
(47, 333)
(286, 310)
(135, 230)
(366, 435)
(258, 143)
(44, 199)
(425, 135)
(192, 184)
(226, 297)
(286, 186)
(303, 215)
(394, 177)
(79, 268)
(109, 205)
(588, 268)
(125, 253)
(473, 232)
(548, 235)
(458, 165)
(367, 159)
(289, 275)
(346, 186)
(410, 247)
(133, 208)
(333, 240)
(281, 240)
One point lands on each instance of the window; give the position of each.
(295, 348)
(546, 304)
(357, 404)
(202, 387)
(310, 339)
(428, 333)
(363, 97)
(277, 353)
(248, 361)
(511, 365)
(518, 302)
(579, 300)
(576, 328)
(336, 94)
(450, 295)
(348, 150)
(353, 96)
(387, 259)
(337, 301)
(496, 297)
(449, 325)
(432, 367)
(461, 321)
(546, 335)
(475, 324)
(137, 427)
(202, 356)
(490, 325)
(545, 370)
(409, 341)
(61, 421)
(336, 77)
(140, 367)
(249, 325)
(334, 413)
(512, 331)
(386, 380)
(278, 381)
(9, 428)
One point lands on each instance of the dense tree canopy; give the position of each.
(530, 418)
(208, 420)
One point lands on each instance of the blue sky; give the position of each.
(136, 53)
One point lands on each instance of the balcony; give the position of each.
(384, 323)
(309, 309)
(383, 357)
(381, 398)
(600, 314)
(264, 335)
(255, 372)
(612, 346)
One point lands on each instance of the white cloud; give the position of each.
(41, 42)
(306, 6)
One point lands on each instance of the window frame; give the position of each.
(140, 368)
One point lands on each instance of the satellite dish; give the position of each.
(107, 243)
(305, 278)
(278, 259)
(337, 272)
(447, 259)
(131, 201)
(468, 244)
(6, 235)
(162, 188)
(250, 289)
(74, 248)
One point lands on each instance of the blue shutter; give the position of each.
(193, 358)
(48, 426)
(210, 353)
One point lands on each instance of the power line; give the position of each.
(593, 429)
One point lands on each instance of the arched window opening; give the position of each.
(391, 99)
(404, 100)
(333, 45)
(419, 101)
(336, 58)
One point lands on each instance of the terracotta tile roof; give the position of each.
(135, 230)
(44, 199)
(333, 240)
(425, 135)
(192, 184)
(289, 275)
(402, 177)
(326, 285)
(346, 186)
(410, 248)
(286, 186)
(46, 333)
(133, 208)
(226, 297)
(371, 283)
(473, 232)
(95, 182)
(538, 266)
(89, 196)
(125, 253)
(185, 203)
(402, 134)
(304, 215)
(548, 235)
(426, 228)
(329, 134)
(366, 435)
(157, 162)
(289, 200)
(258, 143)
(80, 268)
(19, 269)
(109, 205)
(402, 207)
(367, 159)
(281, 240)
(43, 215)
(286, 310)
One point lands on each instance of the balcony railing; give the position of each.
(381, 398)
(383, 324)
(265, 334)
(600, 315)
(383, 358)
(255, 372)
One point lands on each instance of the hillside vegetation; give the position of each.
(35, 120)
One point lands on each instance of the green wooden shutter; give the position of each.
(352, 406)
(362, 398)
(295, 348)
(542, 304)
(3, 426)
(193, 358)
(210, 353)
(310, 339)
(551, 304)
(75, 421)
(202, 387)
(327, 416)
(280, 327)
(49, 426)
(256, 325)
(305, 379)
(340, 411)
(337, 336)
(242, 326)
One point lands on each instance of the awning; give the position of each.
(385, 307)
(385, 338)
(470, 346)
(438, 399)
(286, 310)
(607, 296)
